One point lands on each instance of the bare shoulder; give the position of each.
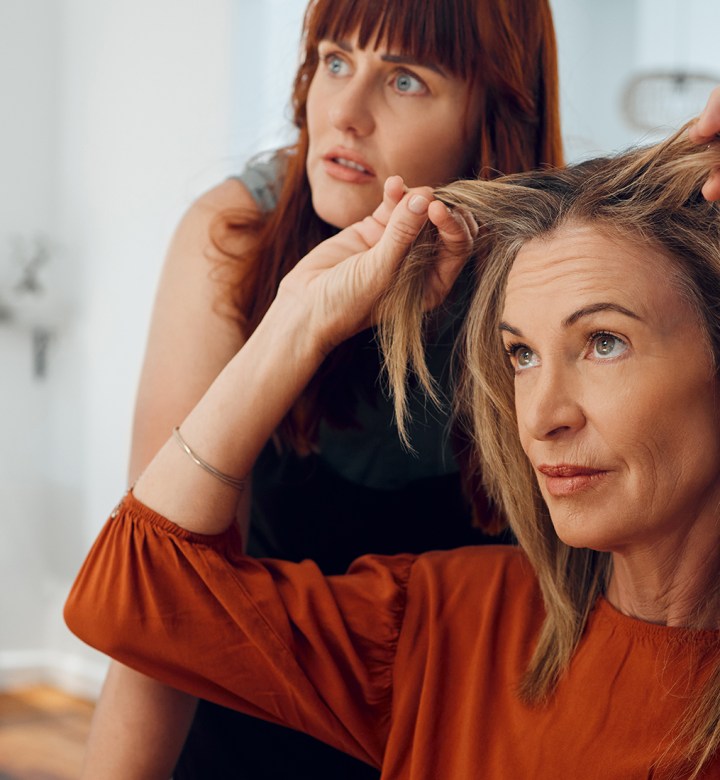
(193, 256)
(230, 196)
(225, 196)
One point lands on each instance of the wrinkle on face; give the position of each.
(650, 417)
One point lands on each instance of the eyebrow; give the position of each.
(586, 311)
(400, 59)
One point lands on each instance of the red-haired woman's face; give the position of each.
(376, 113)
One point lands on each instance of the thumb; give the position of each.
(405, 223)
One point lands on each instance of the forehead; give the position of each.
(578, 265)
(439, 33)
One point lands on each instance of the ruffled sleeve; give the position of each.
(273, 639)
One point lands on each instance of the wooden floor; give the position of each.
(42, 734)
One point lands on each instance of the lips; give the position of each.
(566, 479)
(346, 165)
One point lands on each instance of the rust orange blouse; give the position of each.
(410, 662)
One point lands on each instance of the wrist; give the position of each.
(232, 422)
(295, 325)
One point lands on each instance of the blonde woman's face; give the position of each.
(373, 114)
(615, 392)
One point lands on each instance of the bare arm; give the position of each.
(138, 729)
(140, 725)
(190, 339)
(329, 296)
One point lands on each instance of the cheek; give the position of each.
(523, 432)
(671, 431)
(431, 156)
(449, 163)
(313, 109)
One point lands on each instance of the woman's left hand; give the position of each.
(705, 130)
(343, 277)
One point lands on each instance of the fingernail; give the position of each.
(418, 204)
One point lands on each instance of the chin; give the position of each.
(337, 217)
(338, 205)
(583, 531)
(579, 542)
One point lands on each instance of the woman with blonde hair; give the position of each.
(590, 388)
(426, 89)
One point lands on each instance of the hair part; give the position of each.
(651, 195)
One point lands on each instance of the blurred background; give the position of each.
(114, 116)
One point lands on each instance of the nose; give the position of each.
(351, 108)
(548, 404)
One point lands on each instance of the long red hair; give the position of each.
(504, 48)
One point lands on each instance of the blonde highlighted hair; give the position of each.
(652, 195)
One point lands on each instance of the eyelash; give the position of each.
(327, 58)
(512, 349)
(403, 72)
(607, 334)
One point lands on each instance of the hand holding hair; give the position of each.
(342, 278)
(707, 130)
(329, 296)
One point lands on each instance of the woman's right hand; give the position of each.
(340, 281)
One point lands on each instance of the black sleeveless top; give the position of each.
(362, 491)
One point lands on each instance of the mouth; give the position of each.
(350, 164)
(345, 165)
(567, 479)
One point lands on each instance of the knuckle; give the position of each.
(404, 232)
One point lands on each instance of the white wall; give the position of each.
(121, 113)
(596, 52)
(263, 69)
(603, 44)
(29, 66)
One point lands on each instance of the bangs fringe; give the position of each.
(443, 34)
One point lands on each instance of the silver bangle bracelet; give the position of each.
(238, 484)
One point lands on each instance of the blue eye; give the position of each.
(335, 65)
(606, 346)
(409, 84)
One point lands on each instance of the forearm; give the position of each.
(233, 421)
(325, 299)
(138, 729)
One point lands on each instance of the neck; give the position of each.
(671, 583)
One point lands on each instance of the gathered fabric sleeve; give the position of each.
(276, 640)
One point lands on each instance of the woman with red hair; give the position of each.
(430, 90)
